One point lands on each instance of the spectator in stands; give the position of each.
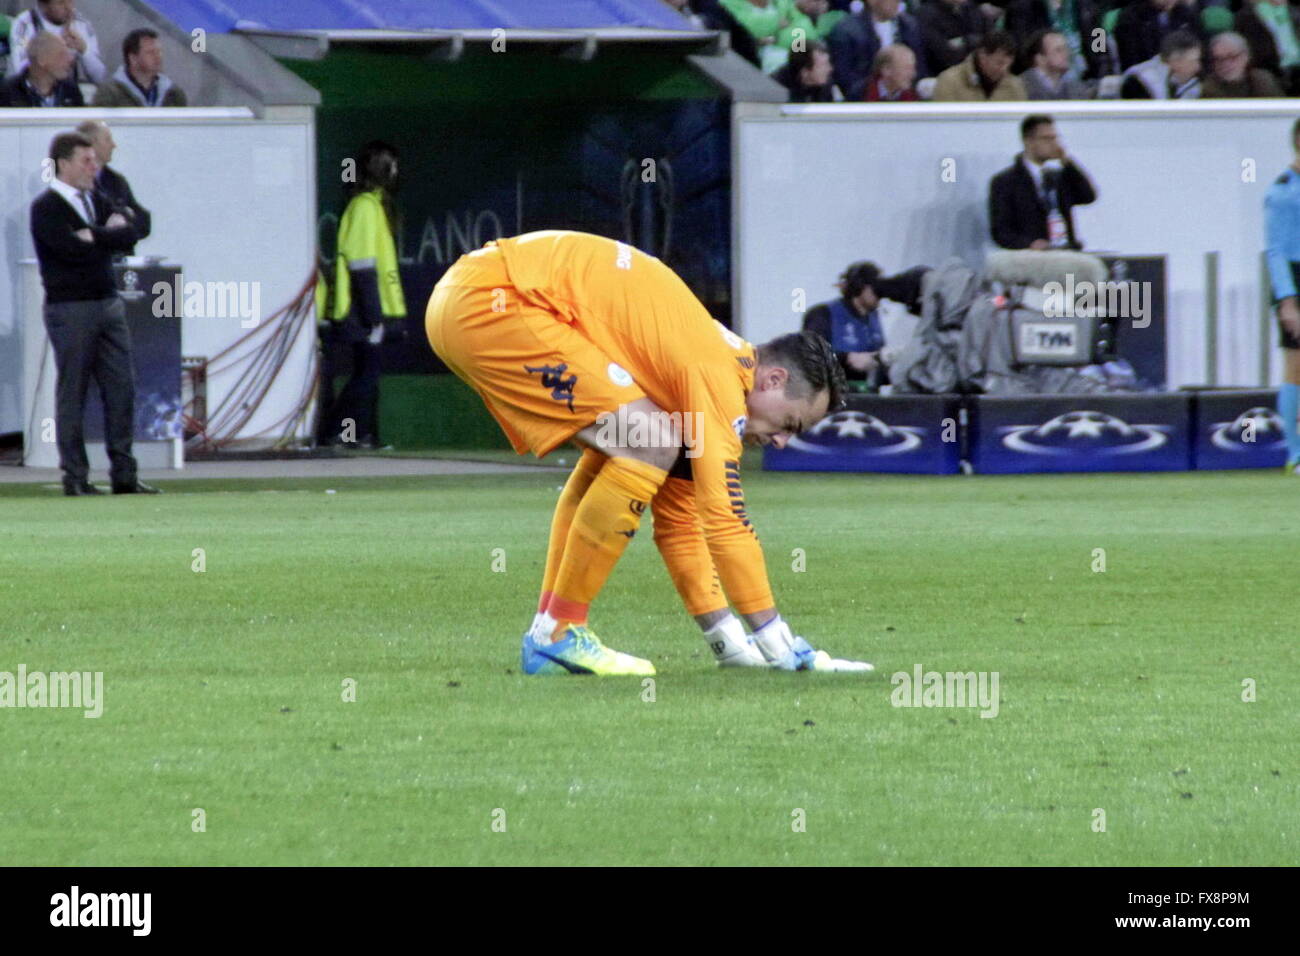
(1143, 26)
(951, 30)
(140, 81)
(777, 25)
(857, 39)
(984, 76)
(807, 75)
(76, 235)
(1231, 74)
(1272, 29)
(710, 15)
(1031, 203)
(814, 20)
(1173, 75)
(111, 186)
(60, 18)
(1052, 76)
(367, 294)
(46, 80)
(1073, 20)
(763, 20)
(893, 76)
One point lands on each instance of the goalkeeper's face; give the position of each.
(775, 416)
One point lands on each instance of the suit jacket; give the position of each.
(950, 34)
(854, 44)
(1027, 17)
(73, 270)
(1138, 32)
(14, 93)
(112, 187)
(1018, 215)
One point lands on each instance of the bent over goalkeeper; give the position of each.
(574, 337)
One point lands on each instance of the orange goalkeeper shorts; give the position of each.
(542, 380)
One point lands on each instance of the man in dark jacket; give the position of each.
(1031, 202)
(47, 80)
(951, 30)
(1143, 25)
(112, 186)
(76, 236)
(857, 39)
(1073, 19)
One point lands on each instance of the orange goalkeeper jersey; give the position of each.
(644, 317)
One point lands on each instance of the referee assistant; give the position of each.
(76, 236)
(1282, 229)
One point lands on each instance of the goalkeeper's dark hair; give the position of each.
(812, 364)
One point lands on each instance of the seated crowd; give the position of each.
(827, 51)
(53, 52)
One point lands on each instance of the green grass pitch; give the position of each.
(1121, 690)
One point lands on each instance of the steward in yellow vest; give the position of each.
(367, 293)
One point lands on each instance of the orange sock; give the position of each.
(584, 473)
(603, 524)
(683, 547)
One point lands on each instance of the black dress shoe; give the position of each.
(137, 488)
(72, 489)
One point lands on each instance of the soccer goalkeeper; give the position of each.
(568, 336)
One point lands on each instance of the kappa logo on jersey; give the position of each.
(553, 377)
(619, 375)
(624, 260)
(738, 426)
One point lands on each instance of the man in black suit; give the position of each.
(47, 80)
(76, 235)
(1031, 202)
(855, 41)
(110, 185)
(1143, 25)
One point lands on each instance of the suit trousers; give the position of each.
(91, 340)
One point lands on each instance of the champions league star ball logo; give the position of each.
(1084, 432)
(859, 429)
(1258, 428)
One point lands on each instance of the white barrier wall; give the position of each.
(233, 200)
(817, 187)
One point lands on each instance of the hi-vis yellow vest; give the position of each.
(364, 234)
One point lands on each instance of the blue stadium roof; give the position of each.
(291, 16)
